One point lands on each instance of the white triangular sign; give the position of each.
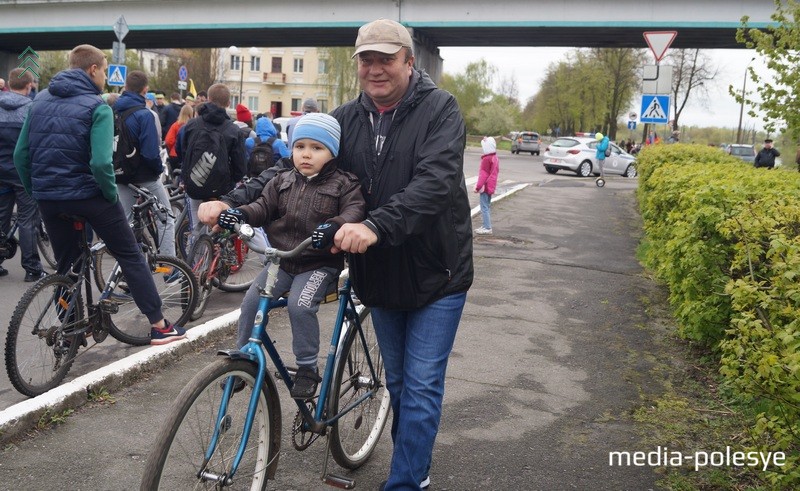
(659, 42)
(116, 76)
(654, 110)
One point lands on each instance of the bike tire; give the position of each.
(179, 451)
(37, 353)
(355, 435)
(46, 247)
(104, 261)
(178, 299)
(182, 234)
(202, 255)
(243, 265)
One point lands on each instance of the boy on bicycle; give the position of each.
(313, 197)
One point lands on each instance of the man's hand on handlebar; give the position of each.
(353, 237)
(208, 213)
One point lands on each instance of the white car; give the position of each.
(577, 154)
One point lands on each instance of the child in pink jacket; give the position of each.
(487, 183)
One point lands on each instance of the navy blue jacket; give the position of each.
(13, 109)
(142, 127)
(59, 129)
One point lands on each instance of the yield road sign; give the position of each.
(117, 75)
(659, 42)
(183, 73)
(655, 108)
(121, 28)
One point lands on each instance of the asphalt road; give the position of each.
(553, 353)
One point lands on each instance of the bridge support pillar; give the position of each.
(427, 56)
(8, 62)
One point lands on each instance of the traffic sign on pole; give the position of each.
(659, 42)
(183, 73)
(655, 108)
(117, 75)
(118, 53)
(121, 28)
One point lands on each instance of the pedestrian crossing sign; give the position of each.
(117, 75)
(655, 108)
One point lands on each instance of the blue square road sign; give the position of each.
(117, 75)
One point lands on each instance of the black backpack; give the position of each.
(127, 157)
(206, 169)
(262, 157)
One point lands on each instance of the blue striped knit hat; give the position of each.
(320, 127)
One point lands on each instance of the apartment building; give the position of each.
(275, 80)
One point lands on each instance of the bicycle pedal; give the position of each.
(340, 482)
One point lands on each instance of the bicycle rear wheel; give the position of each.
(355, 435)
(45, 246)
(38, 354)
(202, 255)
(178, 457)
(177, 287)
(244, 266)
(182, 234)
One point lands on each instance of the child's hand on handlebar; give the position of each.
(322, 236)
(229, 218)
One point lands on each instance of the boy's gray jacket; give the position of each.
(416, 198)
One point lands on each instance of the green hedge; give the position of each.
(725, 238)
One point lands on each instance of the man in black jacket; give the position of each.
(412, 263)
(766, 156)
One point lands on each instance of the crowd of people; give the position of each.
(389, 196)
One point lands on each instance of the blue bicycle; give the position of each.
(225, 426)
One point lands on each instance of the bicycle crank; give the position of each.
(302, 438)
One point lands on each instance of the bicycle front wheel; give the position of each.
(178, 457)
(243, 264)
(355, 435)
(202, 255)
(177, 287)
(38, 353)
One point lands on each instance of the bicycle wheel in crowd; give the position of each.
(104, 262)
(178, 457)
(38, 353)
(202, 255)
(242, 266)
(177, 287)
(45, 246)
(355, 435)
(182, 233)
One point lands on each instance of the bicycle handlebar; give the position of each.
(246, 233)
(149, 199)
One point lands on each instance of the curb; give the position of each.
(21, 417)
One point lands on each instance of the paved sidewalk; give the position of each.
(551, 358)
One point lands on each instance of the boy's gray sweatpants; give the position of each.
(306, 291)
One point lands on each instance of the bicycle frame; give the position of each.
(260, 341)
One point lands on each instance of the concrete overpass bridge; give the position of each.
(63, 24)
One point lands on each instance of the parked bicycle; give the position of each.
(224, 428)
(225, 261)
(9, 242)
(58, 314)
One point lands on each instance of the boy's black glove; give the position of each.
(229, 218)
(322, 236)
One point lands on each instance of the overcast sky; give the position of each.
(528, 66)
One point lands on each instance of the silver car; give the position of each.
(526, 141)
(577, 154)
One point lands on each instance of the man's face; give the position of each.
(98, 74)
(2, 83)
(384, 78)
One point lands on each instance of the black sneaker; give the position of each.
(305, 383)
(35, 276)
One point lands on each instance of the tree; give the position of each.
(341, 78)
(471, 88)
(620, 67)
(495, 117)
(778, 44)
(692, 68)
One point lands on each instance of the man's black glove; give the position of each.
(229, 218)
(322, 236)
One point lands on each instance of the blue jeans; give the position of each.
(486, 210)
(415, 345)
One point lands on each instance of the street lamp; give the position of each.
(236, 51)
(741, 108)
